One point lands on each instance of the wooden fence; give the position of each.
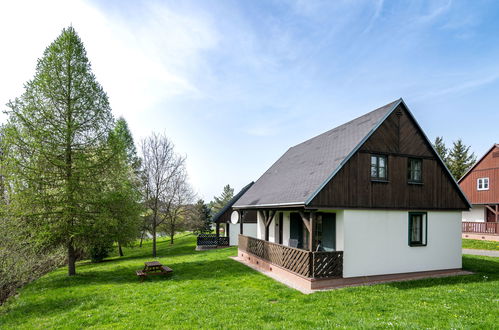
(212, 240)
(481, 227)
(305, 263)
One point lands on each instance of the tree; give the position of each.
(460, 159)
(163, 171)
(199, 218)
(123, 195)
(441, 149)
(176, 207)
(57, 150)
(219, 202)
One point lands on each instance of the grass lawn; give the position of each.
(479, 244)
(209, 290)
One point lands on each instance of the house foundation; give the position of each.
(310, 285)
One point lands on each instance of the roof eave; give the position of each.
(268, 206)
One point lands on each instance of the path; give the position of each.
(487, 253)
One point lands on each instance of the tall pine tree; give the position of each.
(58, 152)
(441, 149)
(460, 159)
(220, 201)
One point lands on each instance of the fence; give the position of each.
(212, 240)
(318, 264)
(480, 227)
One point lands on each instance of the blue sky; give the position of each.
(236, 83)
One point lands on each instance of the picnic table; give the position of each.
(153, 268)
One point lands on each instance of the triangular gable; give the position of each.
(313, 199)
(478, 162)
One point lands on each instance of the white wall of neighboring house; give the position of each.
(476, 214)
(249, 229)
(376, 243)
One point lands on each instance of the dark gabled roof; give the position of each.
(300, 174)
(306, 167)
(231, 202)
(495, 145)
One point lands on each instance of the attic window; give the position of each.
(414, 170)
(379, 167)
(495, 154)
(482, 184)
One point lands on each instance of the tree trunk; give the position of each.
(71, 259)
(120, 250)
(172, 233)
(154, 238)
(141, 238)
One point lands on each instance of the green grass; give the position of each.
(480, 245)
(209, 290)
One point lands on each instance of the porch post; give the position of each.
(267, 217)
(311, 243)
(241, 216)
(497, 213)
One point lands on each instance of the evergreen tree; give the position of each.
(441, 149)
(460, 159)
(199, 218)
(219, 202)
(123, 195)
(57, 151)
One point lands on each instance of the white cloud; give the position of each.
(139, 62)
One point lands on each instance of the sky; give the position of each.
(234, 84)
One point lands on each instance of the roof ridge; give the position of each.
(349, 122)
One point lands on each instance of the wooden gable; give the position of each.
(486, 167)
(399, 138)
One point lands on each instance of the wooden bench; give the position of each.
(166, 269)
(140, 273)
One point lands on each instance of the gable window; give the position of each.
(379, 167)
(418, 228)
(415, 170)
(482, 184)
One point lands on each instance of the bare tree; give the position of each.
(162, 170)
(175, 209)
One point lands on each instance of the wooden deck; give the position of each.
(304, 263)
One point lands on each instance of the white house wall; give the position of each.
(249, 229)
(476, 214)
(376, 242)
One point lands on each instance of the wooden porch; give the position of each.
(307, 264)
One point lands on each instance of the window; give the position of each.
(482, 184)
(378, 167)
(415, 170)
(418, 228)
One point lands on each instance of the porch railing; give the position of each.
(305, 263)
(212, 240)
(481, 227)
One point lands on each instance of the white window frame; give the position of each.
(482, 184)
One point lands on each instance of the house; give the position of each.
(222, 220)
(481, 185)
(369, 200)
